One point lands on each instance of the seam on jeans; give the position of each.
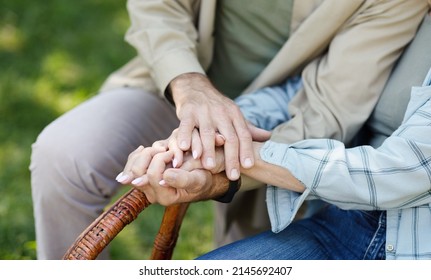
(373, 240)
(415, 235)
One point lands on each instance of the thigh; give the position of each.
(349, 234)
(332, 233)
(91, 142)
(76, 158)
(119, 116)
(294, 243)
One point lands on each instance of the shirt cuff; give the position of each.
(282, 204)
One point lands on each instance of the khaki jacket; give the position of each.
(345, 50)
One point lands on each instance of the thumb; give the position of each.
(190, 180)
(258, 134)
(176, 178)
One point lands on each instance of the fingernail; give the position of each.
(123, 178)
(234, 174)
(248, 163)
(162, 183)
(137, 181)
(210, 162)
(119, 176)
(195, 154)
(175, 162)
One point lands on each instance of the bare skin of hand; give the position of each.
(196, 146)
(262, 171)
(166, 185)
(139, 160)
(191, 183)
(196, 185)
(200, 105)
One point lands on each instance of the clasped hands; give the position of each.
(209, 148)
(167, 175)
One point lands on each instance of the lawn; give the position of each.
(54, 55)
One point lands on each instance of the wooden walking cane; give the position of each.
(91, 242)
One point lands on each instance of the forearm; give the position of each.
(392, 176)
(165, 37)
(269, 174)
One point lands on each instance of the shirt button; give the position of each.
(390, 247)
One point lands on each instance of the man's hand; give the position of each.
(189, 186)
(199, 105)
(258, 134)
(196, 146)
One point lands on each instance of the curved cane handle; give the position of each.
(102, 231)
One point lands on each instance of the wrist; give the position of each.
(232, 189)
(183, 81)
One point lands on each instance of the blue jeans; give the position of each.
(332, 233)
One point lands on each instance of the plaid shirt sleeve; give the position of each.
(266, 108)
(396, 175)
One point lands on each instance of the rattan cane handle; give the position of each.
(102, 231)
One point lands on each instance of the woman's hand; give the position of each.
(139, 160)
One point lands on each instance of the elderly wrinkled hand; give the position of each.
(139, 160)
(166, 185)
(167, 175)
(200, 105)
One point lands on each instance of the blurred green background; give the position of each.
(54, 54)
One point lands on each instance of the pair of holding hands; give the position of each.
(194, 164)
(168, 175)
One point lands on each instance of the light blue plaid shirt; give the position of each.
(395, 177)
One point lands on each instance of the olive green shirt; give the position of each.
(248, 35)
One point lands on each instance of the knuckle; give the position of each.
(165, 200)
(183, 181)
(136, 171)
(175, 131)
(151, 199)
(147, 150)
(232, 109)
(207, 131)
(131, 156)
(244, 136)
(186, 124)
(159, 143)
(231, 138)
(148, 193)
(158, 156)
(232, 161)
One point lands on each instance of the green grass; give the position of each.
(54, 55)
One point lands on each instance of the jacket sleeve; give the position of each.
(165, 36)
(395, 175)
(342, 86)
